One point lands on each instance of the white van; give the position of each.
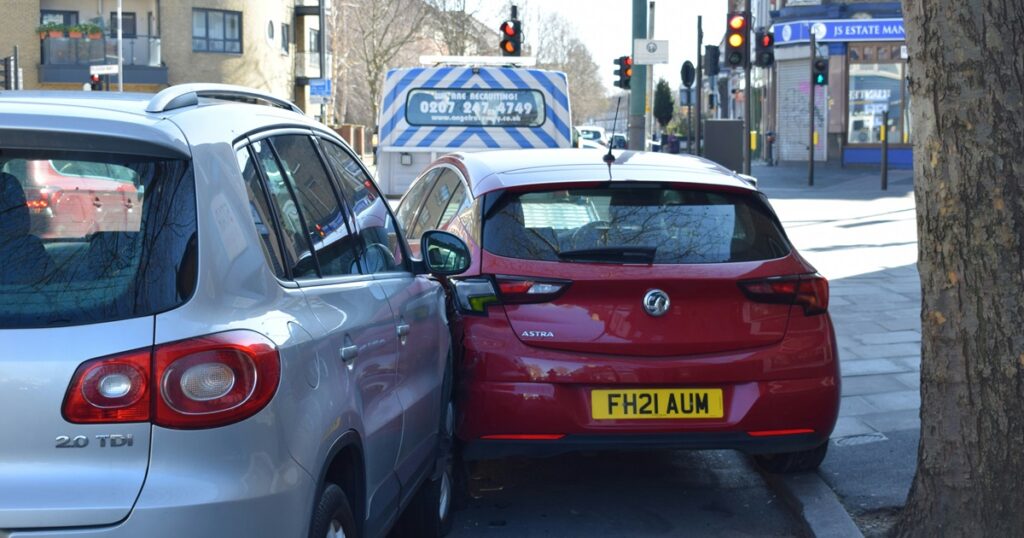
(429, 111)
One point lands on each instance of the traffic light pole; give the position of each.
(698, 93)
(747, 93)
(638, 82)
(810, 129)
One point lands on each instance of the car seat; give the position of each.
(23, 259)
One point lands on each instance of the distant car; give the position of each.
(212, 326)
(618, 141)
(590, 144)
(652, 302)
(593, 133)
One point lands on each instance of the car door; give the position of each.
(358, 336)
(418, 306)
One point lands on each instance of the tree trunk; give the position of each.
(967, 87)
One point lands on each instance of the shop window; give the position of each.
(875, 88)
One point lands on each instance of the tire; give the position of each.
(333, 515)
(792, 462)
(429, 514)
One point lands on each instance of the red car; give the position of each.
(75, 199)
(653, 301)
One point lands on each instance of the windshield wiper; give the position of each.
(611, 254)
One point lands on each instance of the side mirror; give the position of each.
(443, 253)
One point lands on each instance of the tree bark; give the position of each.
(967, 88)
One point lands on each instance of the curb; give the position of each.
(815, 504)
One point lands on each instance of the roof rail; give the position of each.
(183, 95)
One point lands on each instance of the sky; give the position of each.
(606, 27)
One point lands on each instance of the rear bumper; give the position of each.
(510, 389)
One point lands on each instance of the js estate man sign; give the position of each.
(841, 30)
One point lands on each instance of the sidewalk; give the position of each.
(864, 241)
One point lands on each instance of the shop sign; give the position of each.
(840, 30)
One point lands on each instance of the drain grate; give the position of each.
(860, 439)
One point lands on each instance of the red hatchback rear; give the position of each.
(651, 302)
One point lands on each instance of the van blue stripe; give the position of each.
(518, 137)
(400, 115)
(562, 127)
(431, 137)
(406, 135)
(399, 87)
(551, 88)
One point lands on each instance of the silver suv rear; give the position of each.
(245, 349)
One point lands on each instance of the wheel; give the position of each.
(429, 514)
(792, 462)
(333, 515)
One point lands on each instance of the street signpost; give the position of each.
(111, 69)
(650, 51)
(319, 91)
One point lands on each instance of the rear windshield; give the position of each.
(641, 223)
(87, 238)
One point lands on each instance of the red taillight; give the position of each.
(197, 383)
(110, 389)
(214, 380)
(523, 290)
(807, 291)
(37, 204)
(525, 437)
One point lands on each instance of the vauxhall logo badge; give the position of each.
(656, 302)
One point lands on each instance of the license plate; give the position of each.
(656, 403)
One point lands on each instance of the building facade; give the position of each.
(866, 97)
(272, 45)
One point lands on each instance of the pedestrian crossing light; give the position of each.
(95, 84)
(624, 72)
(819, 72)
(737, 50)
(511, 38)
(764, 48)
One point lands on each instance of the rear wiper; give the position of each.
(611, 254)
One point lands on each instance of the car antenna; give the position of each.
(609, 158)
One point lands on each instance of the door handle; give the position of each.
(403, 329)
(349, 352)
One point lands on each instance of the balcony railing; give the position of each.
(73, 51)
(307, 64)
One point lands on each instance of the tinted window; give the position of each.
(377, 229)
(435, 203)
(87, 238)
(456, 204)
(294, 241)
(261, 215)
(336, 248)
(679, 226)
(414, 199)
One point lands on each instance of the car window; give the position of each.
(376, 225)
(261, 215)
(294, 241)
(322, 215)
(414, 199)
(679, 226)
(91, 238)
(435, 203)
(456, 204)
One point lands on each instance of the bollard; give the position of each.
(885, 150)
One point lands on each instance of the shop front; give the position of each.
(866, 98)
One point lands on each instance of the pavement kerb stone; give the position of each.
(814, 504)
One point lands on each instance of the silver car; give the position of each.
(245, 346)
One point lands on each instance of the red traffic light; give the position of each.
(509, 28)
(95, 79)
(766, 40)
(737, 22)
(628, 60)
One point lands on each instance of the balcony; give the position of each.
(68, 59)
(307, 65)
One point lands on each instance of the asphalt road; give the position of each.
(635, 494)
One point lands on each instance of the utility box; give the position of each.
(723, 143)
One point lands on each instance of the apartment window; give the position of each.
(67, 18)
(314, 41)
(286, 35)
(129, 24)
(214, 30)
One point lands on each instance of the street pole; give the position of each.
(637, 84)
(747, 94)
(16, 68)
(885, 149)
(120, 49)
(322, 45)
(649, 98)
(810, 128)
(699, 92)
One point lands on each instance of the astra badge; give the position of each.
(537, 334)
(656, 302)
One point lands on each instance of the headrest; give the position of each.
(14, 214)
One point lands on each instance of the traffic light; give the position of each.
(95, 84)
(819, 71)
(764, 48)
(511, 38)
(737, 50)
(711, 67)
(624, 72)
